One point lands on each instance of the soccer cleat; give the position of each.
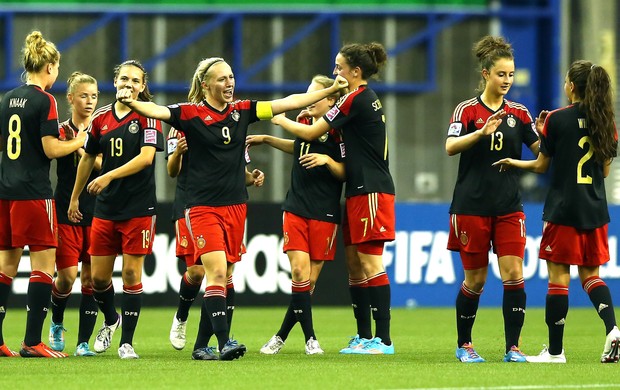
(232, 350)
(313, 347)
(515, 355)
(83, 350)
(104, 336)
(40, 350)
(374, 347)
(7, 352)
(545, 357)
(611, 351)
(273, 346)
(354, 343)
(467, 354)
(177, 333)
(204, 353)
(57, 336)
(126, 351)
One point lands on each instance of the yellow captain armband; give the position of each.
(263, 110)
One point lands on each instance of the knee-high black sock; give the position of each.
(360, 300)
(105, 301)
(132, 303)
(513, 308)
(88, 316)
(230, 302)
(216, 309)
(59, 304)
(205, 328)
(5, 290)
(556, 310)
(288, 322)
(380, 302)
(302, 307)
(466, 308)
(600, 297)
(39, 294)
(188, 290)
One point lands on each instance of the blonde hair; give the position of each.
(327, 82)
(37, 53)
(78, 78)
(196, 93)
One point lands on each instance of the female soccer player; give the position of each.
(581, 140)
(215, 130)
(369, 191)
(74, 239)
(124, 218)
(486, 208)
(29, 129)
(311, 214)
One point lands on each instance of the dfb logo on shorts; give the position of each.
(150, 136)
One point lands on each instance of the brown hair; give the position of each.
(593, 87)
(369, 57)
(145, 95)
(488, 50)
(38, 52)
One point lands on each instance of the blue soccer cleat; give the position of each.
(467, 354)
(57, 336)
(515, 355)
(354, 343)
(375, 347)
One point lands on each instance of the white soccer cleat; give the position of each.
(313, 347)
(273, 346)
(611, 351)
(104, 336)
(545, 357)
(177, 333)
(126, 352)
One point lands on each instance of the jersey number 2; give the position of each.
(581, 178)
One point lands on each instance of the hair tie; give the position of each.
(593, 66)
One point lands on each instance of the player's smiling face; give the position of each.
(131, 77)
(318, 109)
(500, 77)
(219, 85)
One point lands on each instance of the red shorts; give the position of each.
(185, 245)
(317, 238)
(567, 245)
(73, 244)
(473, 235)
(133, 236)
(28, 222)
(218, 228)
(369, 217)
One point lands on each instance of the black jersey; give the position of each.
(482, 189)
(216, 146)
(359, 115)
(27, 114)
(178, 206)
(576, 195)
(66, 171)
(315, 193)
(120, 140)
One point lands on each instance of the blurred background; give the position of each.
(276, 46)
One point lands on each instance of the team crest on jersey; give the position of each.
(464, 239)
(286, 238)
(235, 115)
(200, 242)
(511, 121)
(184, 242)
(455, 129)
(323, 138)
(134, 128)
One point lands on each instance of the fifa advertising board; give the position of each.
(422, 271)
